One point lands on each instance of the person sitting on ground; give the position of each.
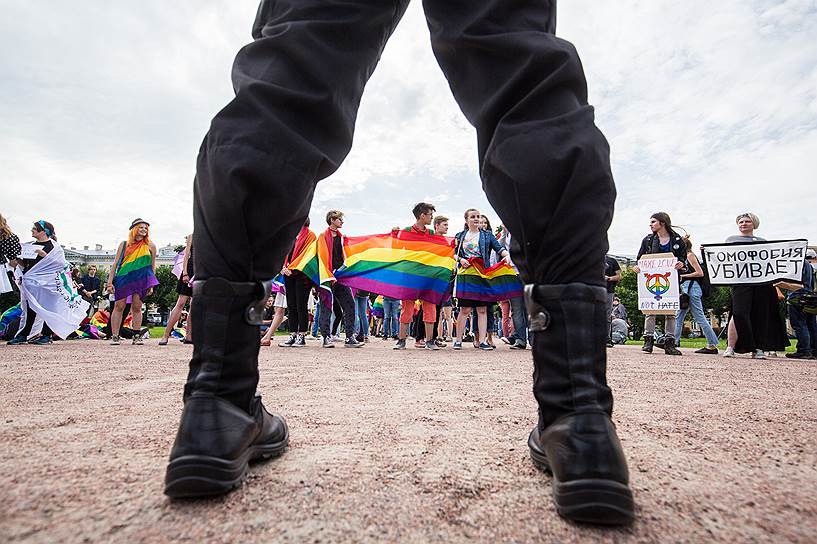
(89, 288)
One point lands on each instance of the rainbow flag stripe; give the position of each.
(311, 265)
(493, 284)
(135, 275)
(402, 265)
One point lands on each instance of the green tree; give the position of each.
(627, 293)
(164, 294)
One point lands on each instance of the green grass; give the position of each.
(696, 343)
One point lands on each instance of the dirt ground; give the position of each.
(409, 446)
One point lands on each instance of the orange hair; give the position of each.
(135, 230)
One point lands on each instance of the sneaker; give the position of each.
(116, 340)
(798, 355)
(401, 344)
(506, 340)
(440, 344)
(300, 341)
(432, 346)
(485, 346)
(360, 338)
(610, 344)
(351, 342)
(289, 342)
(327, 342)
(137, 340)
(729, 352)
(448, 339)
(707, 351)
(456, 345)
(17, 340)
(758, 354)
(519, 344)
(41, 340)
(771, 354)
(420, 344)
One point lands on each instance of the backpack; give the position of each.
(706, 286)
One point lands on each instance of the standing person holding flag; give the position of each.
(331, 256)
(474, 243)
(297, 286)
(423, 215)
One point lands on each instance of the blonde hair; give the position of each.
(132, 233)
(5, 230)
(755, 219)
(332, 215)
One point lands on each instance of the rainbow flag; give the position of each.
(312, 262)
(493, 284)
(402, 265)
(135, 274)
(377, 307)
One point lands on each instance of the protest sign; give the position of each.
(28, 251)
(658, 284)
(755, 263)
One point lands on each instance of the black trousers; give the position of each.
(31, 315)
(342, 295)
(297, 288)
(544, 164)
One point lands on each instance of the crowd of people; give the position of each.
(115, 308)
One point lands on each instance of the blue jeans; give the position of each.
(391, 316)
(695, 294)
(805, 329)
(316, 320)
(361, 320)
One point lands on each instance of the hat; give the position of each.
(137, 221)
(811, 254)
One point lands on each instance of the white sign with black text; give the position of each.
(755, 263)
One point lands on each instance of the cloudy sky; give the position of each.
(710, 109)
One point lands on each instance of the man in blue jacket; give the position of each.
(545, 168)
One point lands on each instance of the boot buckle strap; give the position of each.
(538, 316)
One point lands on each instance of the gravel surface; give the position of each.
(410, 446)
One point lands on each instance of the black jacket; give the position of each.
(650, 244)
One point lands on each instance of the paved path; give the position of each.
(409, 446)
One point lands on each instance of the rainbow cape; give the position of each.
(377, 307)
(313, 262)
(135, 274)
(402, 265)
(493, 284)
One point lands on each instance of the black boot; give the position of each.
(669, 346)
(575, 440)
(648, 343)
(224, 425)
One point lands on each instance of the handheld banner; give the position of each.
(658, 292)
(755, 263)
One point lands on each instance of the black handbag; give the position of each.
(684, 301)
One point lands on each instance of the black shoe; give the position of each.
(610, 344)
(795, 355)
(289, 342)
(216, 442)
(707, 351)
(519, 344)
(590, 476)
(351, 342)
(648, 344)
(300, 341)
(327, 342)
(669, 347)
(401, 344)
(575, 438)
(17, 340)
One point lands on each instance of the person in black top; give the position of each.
(43, 232)
(662, 239)
(341, 294)
(612, 275)
(9, 251)
(90, 288)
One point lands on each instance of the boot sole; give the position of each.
(193, 476)
(591, 500)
